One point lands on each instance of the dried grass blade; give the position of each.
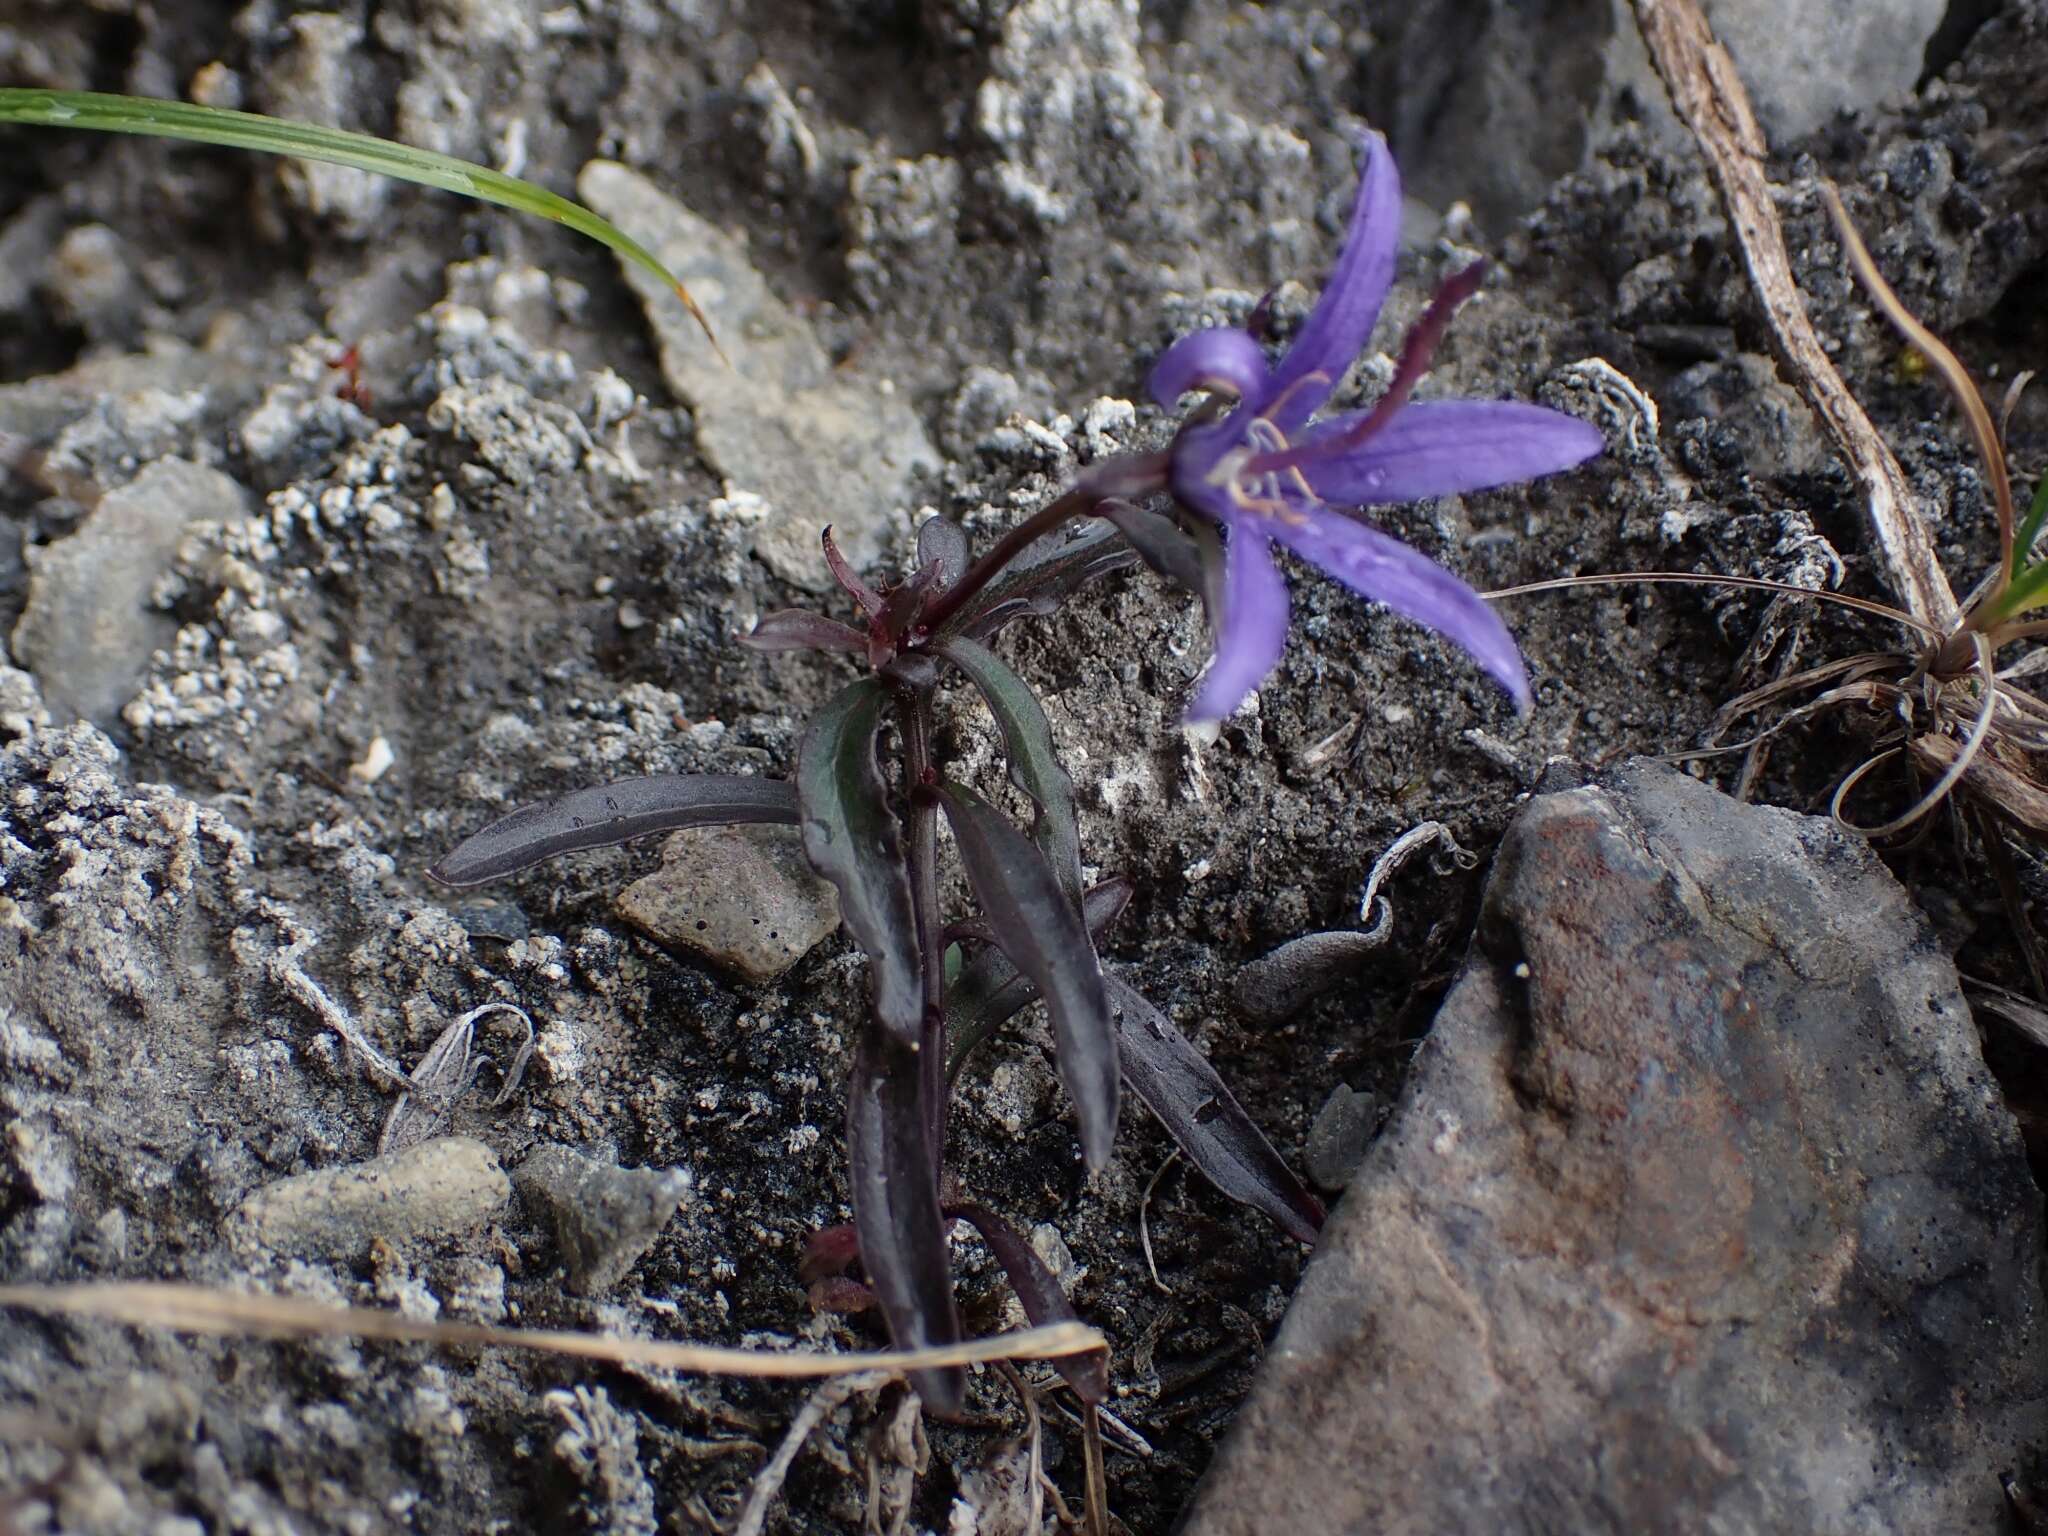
(1699, 579)
(204, 1309)
(1966, 756)
(1983, 432)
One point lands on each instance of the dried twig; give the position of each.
(1710, 99)
(1035, 1444)
(287, 972)
(821, 1405)
(1145, 1219)
(1096, 1484)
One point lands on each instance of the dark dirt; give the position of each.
(520, 587)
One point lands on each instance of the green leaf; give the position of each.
(1027, 743)
(1042, 933)
(853, 839)
(162, 119)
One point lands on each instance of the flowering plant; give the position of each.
(1256, 467)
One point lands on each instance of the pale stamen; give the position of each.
(1264, 493)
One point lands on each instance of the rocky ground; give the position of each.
(277, 642)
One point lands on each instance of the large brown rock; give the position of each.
(1701, 1213)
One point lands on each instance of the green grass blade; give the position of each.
(2028, 588)
(305, 141)
(2030, 530)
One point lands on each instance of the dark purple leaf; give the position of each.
(830, 1251)
(1204, 1118)
(853, 839)
(894, 1171)
(942, 542)
(1159, 541)
(1045, 939)
(612, 813)
(1044, 1302)
(991, 992)
(1041, 578)
(848, 578)
(798, 629)
(1191, 558)
(901, 606)
(1027, 743)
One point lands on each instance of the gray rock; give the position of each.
(1700, 1213)
(820, 445)
(1070, 112)
(1803, 61)
(434, 1190)
(87, 632)
(741, 897)
(605, 1218)
(1490, 101)
(1338, 1139)
(119, 388)
(319, 78)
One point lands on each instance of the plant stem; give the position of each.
(1137, 475)
(915, 709)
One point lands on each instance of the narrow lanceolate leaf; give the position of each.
(1204, 1118)
(1043, 935)
(1189, 557)
(894, 1171)
(1039, 1291)
(305, 141)
(1160, 543)
(1027, 743)
(1044, 576)
(613, 813)
(991, 991)
(853, 839)
(798, 629)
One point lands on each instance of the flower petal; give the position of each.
(1384, 569)
(1252, 630)
(1342, 321)
(1223, 356)
(1444, 448)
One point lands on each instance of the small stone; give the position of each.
(743, 898)
(605, 1217)
(430, 1191)
(88, 631)
(90, 275)
(1342, 1131)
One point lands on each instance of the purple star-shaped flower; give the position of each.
(1268, 474)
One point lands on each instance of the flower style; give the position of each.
(1269, 474)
